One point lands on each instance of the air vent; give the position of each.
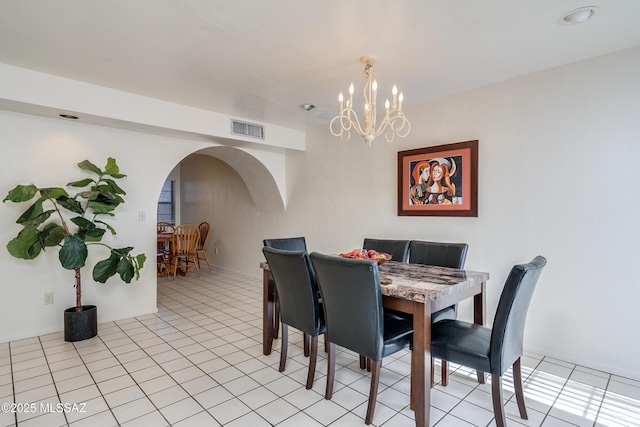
(247, 129)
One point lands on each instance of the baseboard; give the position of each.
(583, 361)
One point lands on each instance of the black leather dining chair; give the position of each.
(440, 254)
(352, 302)
(398, 249)
(493, 350)
(298, 301)
(287, 244)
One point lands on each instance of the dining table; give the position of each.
(164, 239)
(419, 290)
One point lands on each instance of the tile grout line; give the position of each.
(604, 395)
(13, 383)
(55, 386)
(178, 350)
(229, 304)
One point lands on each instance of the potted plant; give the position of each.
(70, 222)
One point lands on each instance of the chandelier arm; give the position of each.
(401, 126)
(343, 130)
(347, 122)
(393, 124)
(355, 122)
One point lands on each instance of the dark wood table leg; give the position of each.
(479, 305)
(268, 302)
(420, 358)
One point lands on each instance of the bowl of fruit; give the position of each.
(379, 257)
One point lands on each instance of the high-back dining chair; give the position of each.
(398, 249)
(440, 254)
(297, 301)
(184, 242)
(162, 252)
(493, 350)
(287, 244)
(352, 302)
(201, 249)
(165, 227)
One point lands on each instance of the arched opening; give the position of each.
(236, 193)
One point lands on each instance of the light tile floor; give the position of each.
(199, 362)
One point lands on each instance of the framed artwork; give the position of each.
(439, 181)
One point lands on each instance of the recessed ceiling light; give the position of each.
(69, 116)
(307, 107)
(578, 16)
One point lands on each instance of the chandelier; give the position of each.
(394, 122)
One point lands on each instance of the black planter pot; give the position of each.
(80, 325)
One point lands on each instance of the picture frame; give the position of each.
(439, 181)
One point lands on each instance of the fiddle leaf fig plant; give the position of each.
(71, 223)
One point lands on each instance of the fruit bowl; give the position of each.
(379, 257)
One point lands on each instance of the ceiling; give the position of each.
(259, 59)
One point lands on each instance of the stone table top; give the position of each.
(417, 282)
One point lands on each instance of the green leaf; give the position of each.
(32, 211)
(83, 223)
(101, 208)
(113, 186)
(34, 215)
(21, 193)
(125, 269)
(51, 235)
(140, 259)
(110, 228)
(107, 196)
(73, 253)
(70, 204)
(39, 219)
(112, 168)
(106, 268)
(81, 183)
(26, 245)
(54, 192)
(94, 235)
(87, 165)
(123, 251)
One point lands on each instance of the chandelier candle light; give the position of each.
(394, 122)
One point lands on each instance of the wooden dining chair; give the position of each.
(352, 302)
(184, 242)
(162, 252)
(298, 301)
(494, 350)
(201, 249)
(165, 227)
(440, 254)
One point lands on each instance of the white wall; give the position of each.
(558, 176)
(216, 193)
(45, 152)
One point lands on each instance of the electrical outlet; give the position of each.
(216, 251)
(48, 298)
